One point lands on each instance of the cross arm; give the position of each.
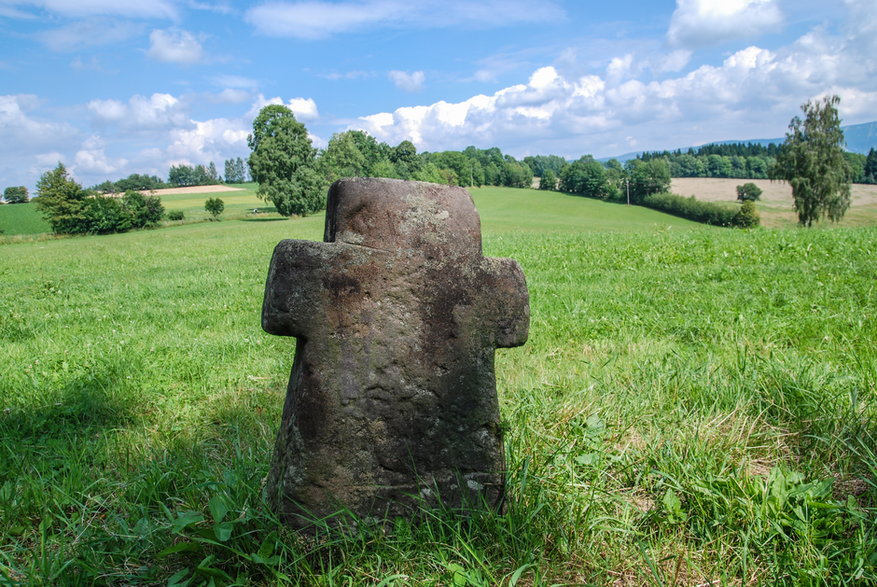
(293, 287)
(509, 301)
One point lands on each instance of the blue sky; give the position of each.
(112, 87)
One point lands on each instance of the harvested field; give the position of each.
(195, 189)
(775, 206)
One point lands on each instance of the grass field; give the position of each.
(17, 219)
(775, 208)
(240, 201)
(694, 406)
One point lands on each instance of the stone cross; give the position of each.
(392, 398)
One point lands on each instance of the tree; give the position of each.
(585, 176)
(548, 181)
(343, 158)
(404, 157)
(61, 201)
(284, 163)
(812, 161)
(647, 177)
(748, 192)
(213, 174)
(215, 206)
(15, 195)
(516, 175)
(181, 175)
(870, 170)
(235, 170)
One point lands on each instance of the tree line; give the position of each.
(294, 176)
(749, 161)
(181, 175)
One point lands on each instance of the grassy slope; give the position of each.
(24, 219)
(237, 203)
(693, 404)
(18, 219)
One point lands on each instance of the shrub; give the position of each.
(104, 215)
(697, 210)
(748, 192)
(215, 206)
(142, 210)
(175, 215)
(747, 216)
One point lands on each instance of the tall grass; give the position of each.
(693, 405)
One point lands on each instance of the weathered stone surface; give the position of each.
(392, 396)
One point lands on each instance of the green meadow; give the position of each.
(695, 406)
(240, 202)
(21, 219)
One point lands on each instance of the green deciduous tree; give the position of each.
(213, 174)
(214, 206)
(586, 176)
(342, 158)
(15, 195)
(647, 178)
(404, 158)
(748, 192)
(812, 161)
(284, 163)
(548, 181)
(235, 170)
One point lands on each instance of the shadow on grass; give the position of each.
(89, 401)
(262, 219)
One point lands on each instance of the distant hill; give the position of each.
(860, 139)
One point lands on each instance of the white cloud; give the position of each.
(752, 93)
(23, 132)
(80, 8)
(674, 62)
(31, 144)
(697, 23)
(175, 46)
(207, 141)
(317, 19)
(409, 82)
(88, 33)
(304, 108)
(91, 159)
(159, 111)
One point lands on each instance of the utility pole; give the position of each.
(627, 183)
